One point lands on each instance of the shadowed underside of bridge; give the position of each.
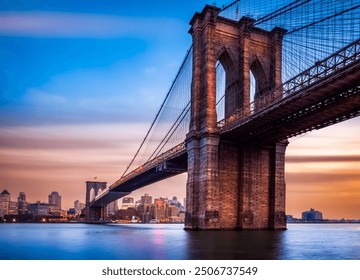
(144, 176)
(236, 165)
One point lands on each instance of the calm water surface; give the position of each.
(163, 241)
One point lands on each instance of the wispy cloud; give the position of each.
(55, 24)
(34, 96)
(326, 178)
(324, 158)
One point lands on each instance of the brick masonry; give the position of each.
(232, 185)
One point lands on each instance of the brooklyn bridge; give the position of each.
(257, 73)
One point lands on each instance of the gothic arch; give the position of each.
(232, 97)
(225, 58)
(92, 194)
(261, 81)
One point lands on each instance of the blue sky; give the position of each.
(82, 62)
(81, 82)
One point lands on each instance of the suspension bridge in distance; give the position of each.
(247, 85)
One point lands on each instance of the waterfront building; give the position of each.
(312, 215)
(4, 203)
(158, 211)
(142, 212)
(173, 212)
(42, 209)
(22, 204)
(55, 199)
(126, 214)
(13, 208)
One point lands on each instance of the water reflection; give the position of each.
(234, 245)
(160, 242)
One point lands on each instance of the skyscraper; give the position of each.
(146, 199)
(22, 203)
(4, 203)
(55, 198)
(78, 206)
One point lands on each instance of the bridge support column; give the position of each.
(202, 190)
(232, 185)
(93, 214)
(252, 186)
(262, 187)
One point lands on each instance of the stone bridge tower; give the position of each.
(93, 214)
(231, 184)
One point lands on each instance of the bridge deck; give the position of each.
(325, 94)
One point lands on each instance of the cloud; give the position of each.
(34, 96)
(325, 178)
(91, 136)
(55, 24)
(323, 158)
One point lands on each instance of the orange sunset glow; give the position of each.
(322, 167)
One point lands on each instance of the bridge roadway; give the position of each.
(325, 94)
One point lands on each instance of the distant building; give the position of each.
(22, 204)
(159, 201)
(312, 215)
(173, 212)
(127, 202)
(78, 206)
(289, 218)
(42, 209)
(158, 211)
(112, 207)
(142, 211)
(126, 214)
(55, 199)
(13, 208)
(4, 203)
(7, 207)
(146, 199)
(71, 212)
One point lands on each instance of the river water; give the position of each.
(171, 242)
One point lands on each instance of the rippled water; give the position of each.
(163, 241)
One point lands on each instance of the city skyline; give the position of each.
(49, 200)
(147, 198)
(83, 82)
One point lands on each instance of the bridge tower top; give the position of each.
(241, 48)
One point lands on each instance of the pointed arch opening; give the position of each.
(252, 90)
(220, 91)
(258, 81)
(227, 89)
(92, 194)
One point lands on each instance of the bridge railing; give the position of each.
(173, 152)
(323, 69)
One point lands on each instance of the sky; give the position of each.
(81, 83)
